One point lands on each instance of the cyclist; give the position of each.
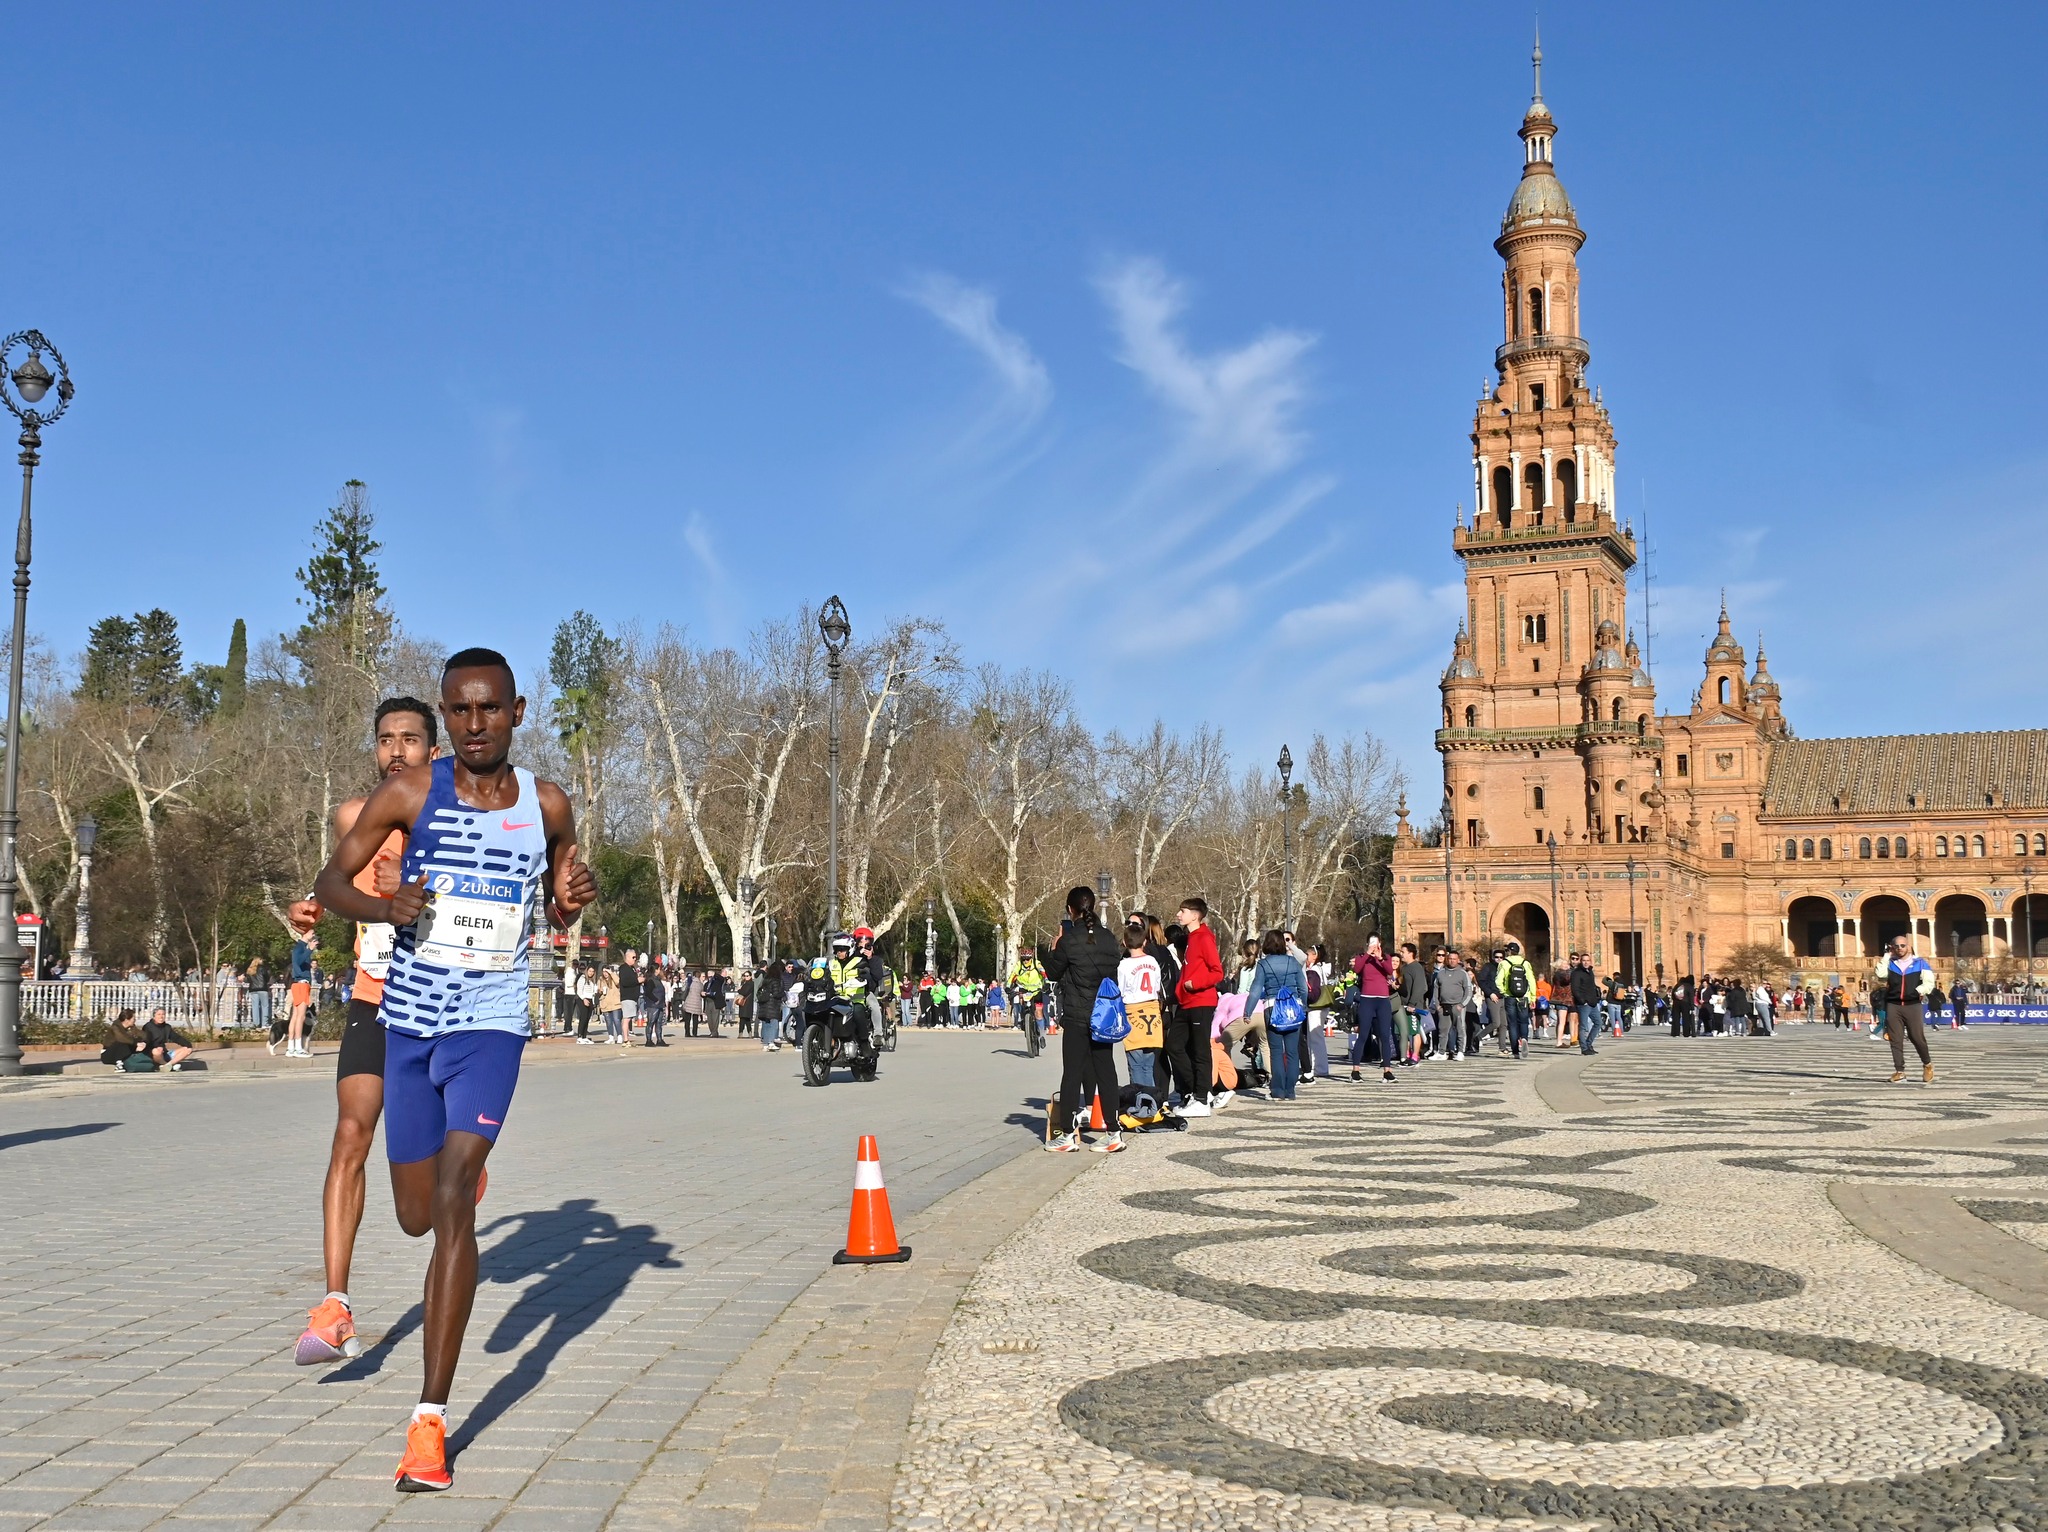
(1027, 983)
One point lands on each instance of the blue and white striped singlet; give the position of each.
(463, 965)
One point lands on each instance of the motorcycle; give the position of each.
(831, 1038)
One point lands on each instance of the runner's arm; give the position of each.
(571, 884)
(394, 805)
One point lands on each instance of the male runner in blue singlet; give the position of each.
(485, 842)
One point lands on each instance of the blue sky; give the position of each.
(1136, 341)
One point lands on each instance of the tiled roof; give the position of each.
(1938, 771)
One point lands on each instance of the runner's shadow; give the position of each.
(585, 1258)
(44, 1135)
(372, 1360)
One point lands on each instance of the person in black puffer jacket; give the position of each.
(1080, 960)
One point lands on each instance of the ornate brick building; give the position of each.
(1576, 816)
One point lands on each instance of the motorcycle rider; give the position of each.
(881, 983)
(852, 979)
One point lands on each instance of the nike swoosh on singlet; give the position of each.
(506, 824)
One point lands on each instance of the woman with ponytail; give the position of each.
(1080, 960)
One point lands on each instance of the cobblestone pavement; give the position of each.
(650, 1218)
(1684, 1285)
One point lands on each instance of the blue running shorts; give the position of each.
(459, 1082)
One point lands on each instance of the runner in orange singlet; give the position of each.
(406, 736)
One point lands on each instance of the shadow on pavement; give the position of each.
(585, 1258)
(372, 1359)
(44, 1135)
(1032, 1118)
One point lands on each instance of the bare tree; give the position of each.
(1156, 786)
(899, 682)
(1025, 752)
(1351, 790)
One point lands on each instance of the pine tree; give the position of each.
(346, 618)
(234, 681)
(159, 659)
(109, 671)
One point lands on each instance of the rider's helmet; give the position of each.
(863, 934)
(840, 939)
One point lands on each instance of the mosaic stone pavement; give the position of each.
(1442, 1304)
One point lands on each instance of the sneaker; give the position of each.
(425, 1464)
(586, 1042)
(1194, 1109)
(1112, 1143)
(330, 1335)
(1064, 1144)
(1926, 1074)
(1899, 1078)
(1357, 1078)
(1218, 1100)
(1386, 1077)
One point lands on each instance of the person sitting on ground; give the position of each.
(124, 1039)
(166, 1046)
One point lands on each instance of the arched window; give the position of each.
(1806, 849)
(1642, 723)
(1962, 847)
(1863, 847)
(1725, 693)
(1538, 800)
(2019, 845)
(1899, 847)
(1617, 710)
(1471, 717)
(1535, 311)
(1504, 496)
(1941, 845)
(1976, 845)
(1447, 718)
(1791, 850)
(1532, 478)
(1884, 849)
(1568, 486)
(2041, 845)
(1827, 850)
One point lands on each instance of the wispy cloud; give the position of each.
(970, 313)
(697, 538)
(1235, 406)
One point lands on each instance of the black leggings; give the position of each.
(1187, 1050)
(1089, 1070)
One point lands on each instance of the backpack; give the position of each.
(1518, 981)
(1287, 1012)
(1315, 987)
(1107, 1022)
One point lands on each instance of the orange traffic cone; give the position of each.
(870, 1231)
(1095, 1122)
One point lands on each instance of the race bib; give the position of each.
(472, 920)
(373, 947)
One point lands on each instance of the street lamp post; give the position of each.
(1286, 841)
(1450, 807)
(834, 628)
(1105, 884)
(1635, 937)
(79, 964)
(931, 939)
(1556, 918)
(748, 889)
(31, 381)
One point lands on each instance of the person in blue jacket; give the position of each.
(1279, 969)
(1908, 981)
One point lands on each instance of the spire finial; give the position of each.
(1536, 56)
(1724, 606)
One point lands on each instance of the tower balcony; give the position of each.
(1589, 529)
(1541, 345)
(1574, 737)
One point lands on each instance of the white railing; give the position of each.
(185, 1004)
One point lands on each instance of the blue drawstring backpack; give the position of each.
(1107, 1023)
(1287, 1013)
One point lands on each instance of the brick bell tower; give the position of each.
(1547, 715)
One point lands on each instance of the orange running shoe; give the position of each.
(425, 1464)
(330, 1335)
